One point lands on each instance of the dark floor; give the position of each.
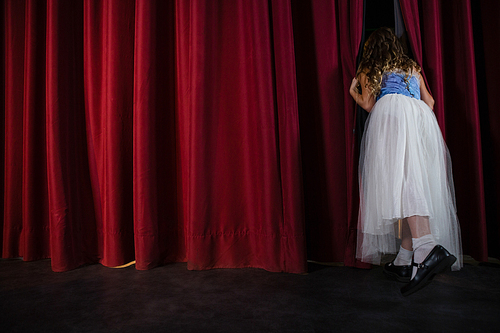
(172, 299)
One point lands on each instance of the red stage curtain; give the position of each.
(486, 32)
(159, 235)
(238, 135)
(26, 217)
(70, 206)
(109, 96)
(440, 30)
(152, 131)
(12, 244)
(328, 36)
(214, 132)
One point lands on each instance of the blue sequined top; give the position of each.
(394, 83)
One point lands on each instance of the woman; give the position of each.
(406, 184)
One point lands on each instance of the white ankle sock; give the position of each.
(422, 246)
(404, 257)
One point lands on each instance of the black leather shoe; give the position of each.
(438, 260)
(399, 273)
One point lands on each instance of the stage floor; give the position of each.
(170, 298)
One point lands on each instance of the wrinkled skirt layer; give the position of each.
(404, 170)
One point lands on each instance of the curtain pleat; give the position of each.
(350, 31)
(487, 28)
(109, 35)
(70, 200)
(293, 228)
(12, 243)
(159, 236)
(35, 213)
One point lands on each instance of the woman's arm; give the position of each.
(424, 93)
(366, 99)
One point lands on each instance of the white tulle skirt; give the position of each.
(404, 170)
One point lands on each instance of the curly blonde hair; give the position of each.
(383, 52)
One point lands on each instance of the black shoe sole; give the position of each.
(442, 266)
(396, 277)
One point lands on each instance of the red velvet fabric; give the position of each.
(12, 243)
(109, 91)
(153, 131)
(489, 21)
(238, 128)
(328, 36)
(70, 207)
(159, 235)
(440, 33)
(26, 218)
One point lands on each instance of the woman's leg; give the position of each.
(423, 245)
(406, 235)
(419, 226)
(422, 240)
(405, 253)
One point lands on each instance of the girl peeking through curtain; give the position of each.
(406, 184)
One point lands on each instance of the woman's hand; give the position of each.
(353, 89)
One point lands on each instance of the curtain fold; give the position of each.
(12, 243)
(293, 231)
(350, 30)
(486, 26)
(159, 237)
(69, 196)
(109, 36)
(145, 189)
(445, 31)
(35, 213)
